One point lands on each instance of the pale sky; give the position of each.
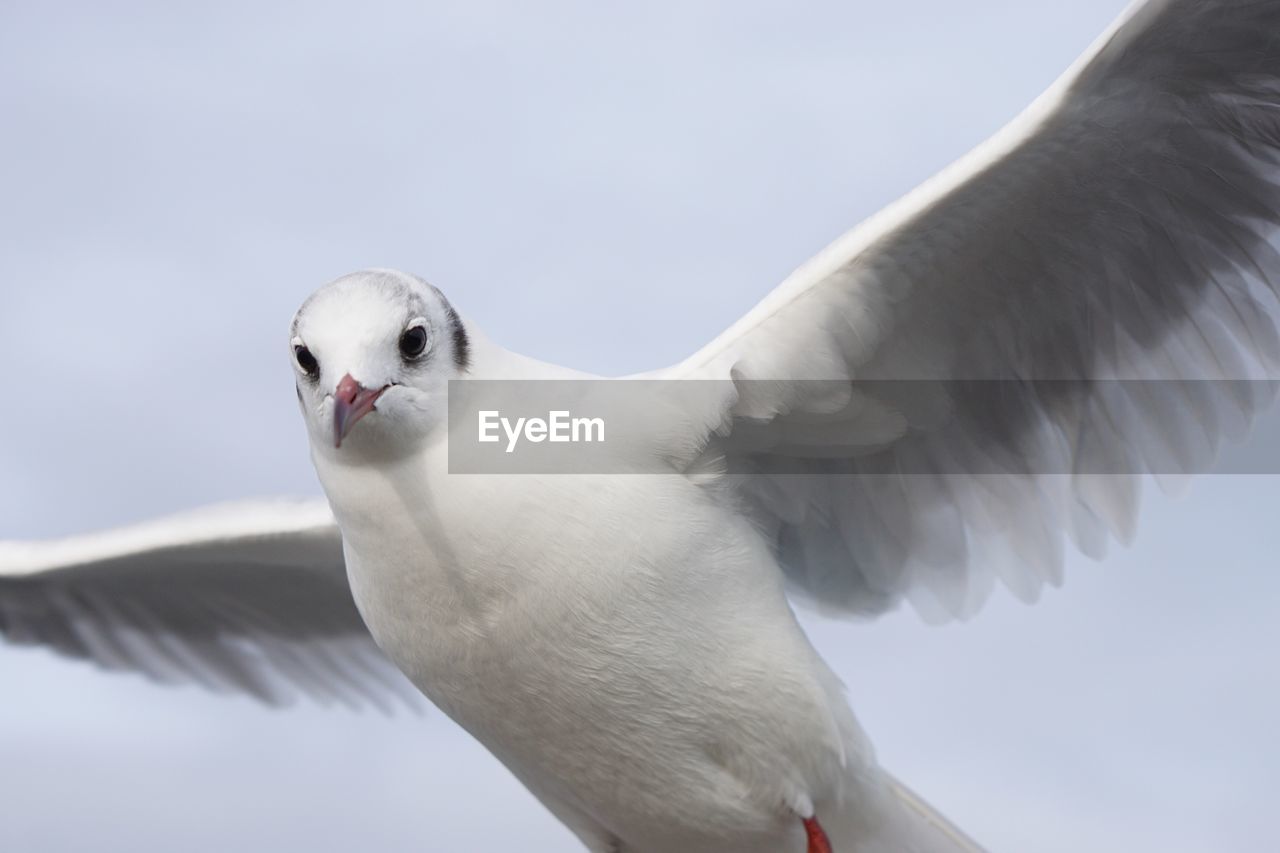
(602, 185)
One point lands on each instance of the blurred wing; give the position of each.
(249, 597)
(908, 414)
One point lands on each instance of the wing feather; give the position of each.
(249, 598)
(1086, 298)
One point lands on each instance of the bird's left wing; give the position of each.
(987, 366)
(246, 597)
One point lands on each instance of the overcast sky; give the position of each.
(604, 185)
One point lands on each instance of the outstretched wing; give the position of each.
(250, 597)
(985, 367)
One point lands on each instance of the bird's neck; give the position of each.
(492, 361)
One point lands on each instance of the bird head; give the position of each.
(373, 353)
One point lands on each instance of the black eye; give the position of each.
(413, 341)
(307, 361)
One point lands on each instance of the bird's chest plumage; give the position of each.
(613, 652)
(479, 592)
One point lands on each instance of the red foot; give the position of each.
(818, 841)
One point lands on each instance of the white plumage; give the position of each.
(933, 402)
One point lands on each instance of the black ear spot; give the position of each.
(461, 344)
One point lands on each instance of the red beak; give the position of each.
(351, 402)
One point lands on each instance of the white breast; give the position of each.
(635, 652)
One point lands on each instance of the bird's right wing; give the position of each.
(249, 597)
(989, 365)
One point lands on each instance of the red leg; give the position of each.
(818, 842)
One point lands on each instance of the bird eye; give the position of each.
(413, 341)
(306, 361)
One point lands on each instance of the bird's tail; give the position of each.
(901, 823)
(937, 831)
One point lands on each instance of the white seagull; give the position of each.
(939, 400)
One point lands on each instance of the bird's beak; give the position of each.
(351, 402)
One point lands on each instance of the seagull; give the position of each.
(942, 401)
